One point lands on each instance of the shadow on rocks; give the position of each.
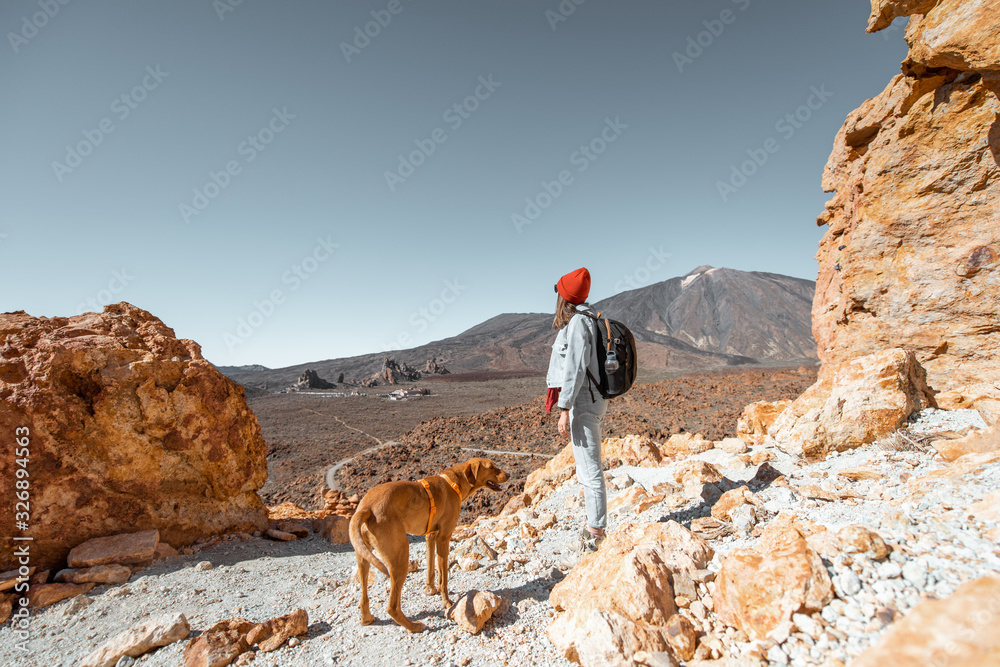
(711, 492)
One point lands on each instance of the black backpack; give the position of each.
(615, 340)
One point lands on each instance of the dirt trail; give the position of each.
(345, 425)
(331, 472)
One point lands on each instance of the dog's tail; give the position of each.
(358, 541)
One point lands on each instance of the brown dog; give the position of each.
(429, 507)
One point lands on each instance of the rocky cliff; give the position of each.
(910, 255)
(129, 429)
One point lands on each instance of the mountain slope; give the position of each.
(709, 318)
(764, 316)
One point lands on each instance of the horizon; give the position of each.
(390, 352)
(332, 171)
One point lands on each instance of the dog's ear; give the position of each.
(472, 472)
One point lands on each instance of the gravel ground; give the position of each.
(936, 547)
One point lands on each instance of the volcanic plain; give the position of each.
(377, 440)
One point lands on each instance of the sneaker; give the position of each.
(585, 543)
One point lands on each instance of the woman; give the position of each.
(581, 406)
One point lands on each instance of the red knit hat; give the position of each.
(575, 286)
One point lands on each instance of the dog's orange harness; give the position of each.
(430, 497)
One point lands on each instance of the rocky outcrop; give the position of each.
(853, 404)
(911, 256)
(310, 379)
(128, 429)
(392, 372)
(434, 368)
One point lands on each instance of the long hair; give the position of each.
(564, 313)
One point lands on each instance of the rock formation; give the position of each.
(911, 255)
(434, 368)
(392, 372)
(854, 403)
(129, 429)
(310, 379)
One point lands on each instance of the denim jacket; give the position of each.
(573, 353)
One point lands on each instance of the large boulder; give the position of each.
(910, 258)
(853, 404)
(758, 589)
(959, 631)
(130, 429)
(620, 599)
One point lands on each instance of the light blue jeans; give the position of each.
(585, 419)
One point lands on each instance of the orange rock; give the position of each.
(859, 474)
(954, 34)
(817, 493)
(857, 539)
(758, 589)
(732, 499)
(123, 549)
(333, 529)
(761, 456)
(618, 600)
(823, 541)
(271, 635)
(294, 526)
(757, 418)
(699, 472)
(853, 404)
(649, 501)
(685, 444)
(43, 595)
(987, 509)
(99, 574)
(541, 481)
(978, 442)
(471, 611)
(130, 429)
(910, 256)
(139, 639)
(632, 450)
(959, 631)
(732, 445)
(279, 535)
(289, 511)
(681, 636)
(627, 498)
(219, 645)
(9, 579)
(164, 550)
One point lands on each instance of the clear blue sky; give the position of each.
(197, 158)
